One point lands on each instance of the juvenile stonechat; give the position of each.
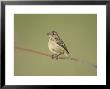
(56, 45)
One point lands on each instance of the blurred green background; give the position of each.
(78, 31)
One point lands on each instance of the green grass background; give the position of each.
(78, 31)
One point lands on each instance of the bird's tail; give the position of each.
(67, 54)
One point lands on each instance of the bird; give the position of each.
(56, 45)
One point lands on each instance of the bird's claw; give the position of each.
(55, 56)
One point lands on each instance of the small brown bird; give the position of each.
(56, 45)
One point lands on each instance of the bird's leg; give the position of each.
(54, 55)
(58, 55)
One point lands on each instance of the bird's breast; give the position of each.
(54, 47)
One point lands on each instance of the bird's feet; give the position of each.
(55, 56)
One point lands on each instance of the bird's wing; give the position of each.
(62, 44)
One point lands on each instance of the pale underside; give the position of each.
(55, 48)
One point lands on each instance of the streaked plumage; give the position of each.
(56, 44)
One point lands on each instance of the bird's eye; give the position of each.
(53, 33)
(56, 38)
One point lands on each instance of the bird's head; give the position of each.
(52, 34)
